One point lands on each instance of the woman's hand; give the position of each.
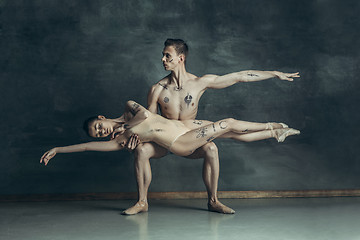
(47, 156)
(286, 76)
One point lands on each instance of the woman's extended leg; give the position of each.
(190, 141)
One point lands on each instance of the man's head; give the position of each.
(98, 126)
(174, 53)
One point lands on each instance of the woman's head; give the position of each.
(98, 126)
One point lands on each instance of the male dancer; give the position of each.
(177, 95)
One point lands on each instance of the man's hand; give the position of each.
(47, 156)
(286, 76)
(133, 142)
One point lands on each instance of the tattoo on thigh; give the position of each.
(223, 124)
(198, 122)
(210, 139)
(163, 85)
(201, 132)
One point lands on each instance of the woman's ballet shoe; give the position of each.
(281, 134)
(269, 126)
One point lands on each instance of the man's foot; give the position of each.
(216, 206)
(281, 134)
(141, 206)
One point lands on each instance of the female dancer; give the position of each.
(180, 137)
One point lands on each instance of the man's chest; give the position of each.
(184, 98)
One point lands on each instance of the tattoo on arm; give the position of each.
(166, 99)
(253, 75)
(135, 108)
(201, 132)
(214, 127)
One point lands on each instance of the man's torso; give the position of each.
(179, 103)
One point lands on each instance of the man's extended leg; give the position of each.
(143, 153)
(209, 153)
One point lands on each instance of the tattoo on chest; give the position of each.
(163, 85)
(166, 99)
(188, 99)
(198, 122)
(252, 75)
(201, 132)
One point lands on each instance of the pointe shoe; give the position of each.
(269, 126)
(281, 134)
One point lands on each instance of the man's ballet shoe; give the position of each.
(137, 208)
(219, 208)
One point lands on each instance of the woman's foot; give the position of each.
(281, 134)
(273, 125)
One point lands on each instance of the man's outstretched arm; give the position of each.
(217, 82)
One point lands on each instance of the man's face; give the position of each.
(170, 58)
(100, 128)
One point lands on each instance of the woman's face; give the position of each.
(100, 128)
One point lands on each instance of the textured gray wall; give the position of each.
(62, 61)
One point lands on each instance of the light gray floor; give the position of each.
(307, 218)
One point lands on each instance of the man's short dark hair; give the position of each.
(87, 123)
(180, 46)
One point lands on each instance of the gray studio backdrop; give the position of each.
(63, 61)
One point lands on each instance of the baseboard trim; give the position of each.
(182, 195)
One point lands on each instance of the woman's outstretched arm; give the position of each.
(104, 146)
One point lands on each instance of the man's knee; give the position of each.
(143, 151)
(210, 149)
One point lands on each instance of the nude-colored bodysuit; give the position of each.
(159, 130)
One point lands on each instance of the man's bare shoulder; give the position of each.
(163, 82)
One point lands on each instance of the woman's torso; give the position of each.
(159, 130)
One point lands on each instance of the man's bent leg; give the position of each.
(209, 153)
(143, 153)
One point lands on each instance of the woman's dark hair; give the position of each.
(87, 123)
